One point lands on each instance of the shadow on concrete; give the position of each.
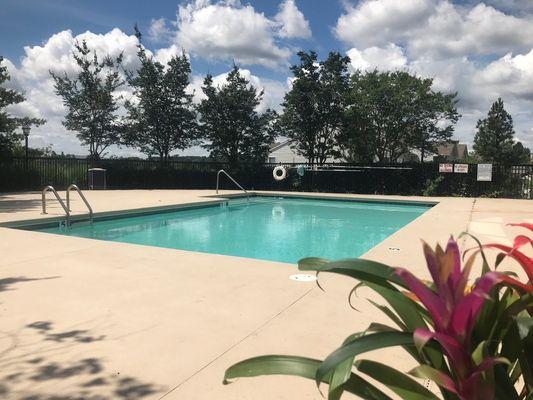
(31, 370)
(76, 335)
(13, 203)
(6, 283)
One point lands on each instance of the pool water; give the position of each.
(268, 228)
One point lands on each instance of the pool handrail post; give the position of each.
(43, 200)
(233, 180)
(82, 196)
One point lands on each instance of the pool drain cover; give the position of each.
(303, 277)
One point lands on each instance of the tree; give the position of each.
(161, 119)
(389, 113)
(9, 139)
(520, 154)
(230, 123)
(434, 115)
(494, 139)
(91, 99)
(314, 107)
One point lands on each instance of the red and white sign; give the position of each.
(445, 167)
(460, 168)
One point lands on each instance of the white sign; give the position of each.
(445, 167)
(484, 172)
(460, 168)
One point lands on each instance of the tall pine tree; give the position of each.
(494, 139)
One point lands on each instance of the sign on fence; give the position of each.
(445, 167)
(460, 168)
(484, 172)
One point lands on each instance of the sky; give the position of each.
(482, 50)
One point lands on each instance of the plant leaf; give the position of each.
(485, 267)
(389, 313)
(439, 377)
(408, 310)
(361, 345)
(353, 267)
(397, 381)
(302, 367)
(312, 263)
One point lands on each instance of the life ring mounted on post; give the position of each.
(279, 173)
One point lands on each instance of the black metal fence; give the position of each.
(19, 174)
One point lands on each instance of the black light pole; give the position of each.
(26, 131)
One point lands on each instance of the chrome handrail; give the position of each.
(233, 180)
(43, 199)
(77, 189)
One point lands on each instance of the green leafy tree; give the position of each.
(9, 139)
(494, 139)
(313, 110)
(231, 125)
(389, 113)
(161, 118)
(433, 115)
(91, 99)
(521, 154)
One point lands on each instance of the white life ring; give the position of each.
(276, 173)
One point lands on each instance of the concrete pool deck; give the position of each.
(86, 319)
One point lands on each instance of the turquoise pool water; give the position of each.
(269, 228)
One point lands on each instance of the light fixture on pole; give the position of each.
(26, 130)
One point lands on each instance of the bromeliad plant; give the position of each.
(475, 342)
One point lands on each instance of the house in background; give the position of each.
(452, 151)
(282, 153)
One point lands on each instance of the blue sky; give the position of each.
(480, 49)
(32, 22)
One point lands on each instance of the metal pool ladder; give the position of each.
(66, 208)
(43, 199)
(233, 180)
(77, 189)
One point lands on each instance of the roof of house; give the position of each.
(278, 145)
(453, 150)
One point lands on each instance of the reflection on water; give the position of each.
(265, 228)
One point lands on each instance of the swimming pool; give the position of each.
(269, 228)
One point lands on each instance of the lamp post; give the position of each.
(26, 130)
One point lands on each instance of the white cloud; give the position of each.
(390, 57)
(159, 31)
(227, 30)
(512, 6)
(510, 76)
(292, 21)
(164, 55)
(378, 22)
(436, 27)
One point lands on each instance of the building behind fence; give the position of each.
(19, 174)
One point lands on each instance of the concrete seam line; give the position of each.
(238, 343)
(469, 220)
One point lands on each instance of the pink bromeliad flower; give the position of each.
(454, 311)
(513, 252)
